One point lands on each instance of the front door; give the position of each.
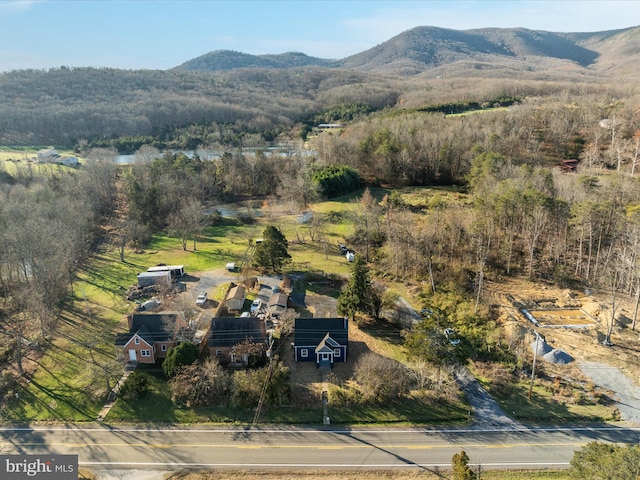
(132, 356)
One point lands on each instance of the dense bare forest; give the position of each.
(67, 106)
(518, 213)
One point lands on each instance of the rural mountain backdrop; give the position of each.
(441, 51)
(271, 93)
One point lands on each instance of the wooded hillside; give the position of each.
(276, 94)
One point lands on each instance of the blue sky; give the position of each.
(160, 34)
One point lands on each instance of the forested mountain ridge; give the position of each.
(271, 94)
(222, 60)
(65, 105)
(423, 49)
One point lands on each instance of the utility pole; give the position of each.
(263, 394)
(533, 368)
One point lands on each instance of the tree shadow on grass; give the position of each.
(382, 330)
(539, 409)
(67, 399)
(152, 407)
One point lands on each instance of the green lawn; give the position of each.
(542, 408)
(401, 411)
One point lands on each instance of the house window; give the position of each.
(163, 348)
(136, 341)
(145, 353)
(218, 353)
(304, 353)
(336, 352)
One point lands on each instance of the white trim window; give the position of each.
(336, 352)
(304, 353)
(136, 340)
(163, 347)
(145, 353)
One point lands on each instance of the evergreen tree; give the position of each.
(272, 252)
(357, 296)
(184, 354)
(460, 467)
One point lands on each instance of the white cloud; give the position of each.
(17, 5)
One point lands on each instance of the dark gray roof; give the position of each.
(153, 327)
(280, 299)
(312, 331)
(229, 331)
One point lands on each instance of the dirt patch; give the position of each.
(306, 380)
(556, 308)
(558, 311)
(563, 317)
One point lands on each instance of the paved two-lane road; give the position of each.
(105, 447)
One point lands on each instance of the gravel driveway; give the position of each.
(486, 411)
(627, 394)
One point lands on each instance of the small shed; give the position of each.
(235, 298)
(277, 304)
(147, 279)
(69, 161)
(47, 155)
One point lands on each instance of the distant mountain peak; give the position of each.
(220, 60)
(430, 49)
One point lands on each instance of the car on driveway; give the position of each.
(202, 299)
(256, 305)
(450, 333)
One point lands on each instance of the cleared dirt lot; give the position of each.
(576, 323)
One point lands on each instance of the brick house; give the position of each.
(150, 336)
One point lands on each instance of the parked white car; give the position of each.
(256, 305)
(202, 299)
